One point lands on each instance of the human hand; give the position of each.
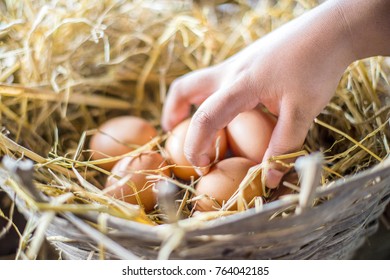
(292, 71)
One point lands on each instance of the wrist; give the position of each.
(329, 37)
(366, 25)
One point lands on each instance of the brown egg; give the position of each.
(119, 136)
(137, 183)
(249, 133)
(175, 144)
(222, 182)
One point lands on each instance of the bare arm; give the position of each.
(278, 72)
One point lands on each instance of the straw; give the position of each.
(67, 66)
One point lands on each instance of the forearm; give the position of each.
(292, 71)
(342, 31)
(367, 23)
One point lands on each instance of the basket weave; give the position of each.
(325, 222)
(333, 229)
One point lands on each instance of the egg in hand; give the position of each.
(174, 147)
(249, 133)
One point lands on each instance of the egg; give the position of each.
(249, 133)
(223, 181)
(119, 136)
(136, 184)
(175, 144)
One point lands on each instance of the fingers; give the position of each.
(214, 114)
(288, 136)
(192, 88)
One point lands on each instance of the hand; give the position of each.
(292, 71)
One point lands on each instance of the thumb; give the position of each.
(288, 136)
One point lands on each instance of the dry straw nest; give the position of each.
(66, 66)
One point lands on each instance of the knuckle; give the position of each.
(202, 119)
(255, 91)
(175, 85)
(245, 90)
(299, 113)
(284, 148)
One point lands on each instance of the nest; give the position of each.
(67, 66)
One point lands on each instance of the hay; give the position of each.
(67, 66)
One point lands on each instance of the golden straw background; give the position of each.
(66, 66)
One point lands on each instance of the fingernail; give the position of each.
(273, 178)
(203, 167)
(204, 160)
(166, 126)
(202, 170)
(198, 171)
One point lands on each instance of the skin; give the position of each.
(277, 72)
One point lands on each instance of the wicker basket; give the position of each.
(322, 222)
(333, 229)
